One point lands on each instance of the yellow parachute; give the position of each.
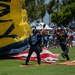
(14, 26)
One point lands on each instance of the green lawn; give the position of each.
(11, 67)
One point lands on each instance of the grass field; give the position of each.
(11, 67)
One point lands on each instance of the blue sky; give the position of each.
(46, 1)
(46, 18)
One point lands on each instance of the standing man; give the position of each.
(62, 37)
(34, 42)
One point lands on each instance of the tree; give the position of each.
(65, 15)
(35, 9)
(41, 9)
(50, 6)
(30, 7)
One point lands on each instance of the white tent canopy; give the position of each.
(47, 27)
(41, 26)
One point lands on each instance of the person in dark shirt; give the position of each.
(62, 37)
(34, 42)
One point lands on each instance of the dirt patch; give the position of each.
(66, 63)
(23, 66)
(47, 64)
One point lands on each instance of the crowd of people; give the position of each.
(53, 42)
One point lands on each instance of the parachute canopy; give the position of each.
(14, 27)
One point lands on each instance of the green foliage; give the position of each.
(65, 15)
(42, 9)
(30, 7)
(50, 6)
(66, 2)
(53, 5)
(35, 9)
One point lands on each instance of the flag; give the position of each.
(45, 55)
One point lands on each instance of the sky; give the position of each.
(46, 18)
(46, 1)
